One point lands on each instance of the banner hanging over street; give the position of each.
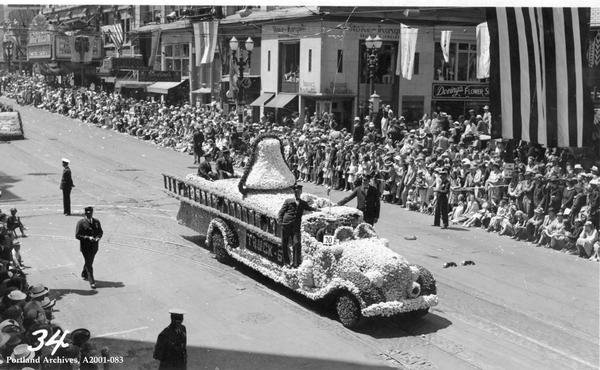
(537, 87)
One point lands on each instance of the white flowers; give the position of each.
(392, 308)
(269, 171)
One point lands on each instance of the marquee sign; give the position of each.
(460, 91)
(63, 48)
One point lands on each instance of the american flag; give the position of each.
(115, 32)
(537, 69)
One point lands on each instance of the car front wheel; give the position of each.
(348, 310)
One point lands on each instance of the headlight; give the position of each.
(414, 290)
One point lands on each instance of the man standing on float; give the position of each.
(290, 219)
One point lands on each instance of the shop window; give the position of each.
(413, 108)
(462, 63)
(340, 61)
(177, 58)
(289, 61)
(386, 63)
(310, 60)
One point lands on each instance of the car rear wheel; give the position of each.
(218, 245)
(348, 310)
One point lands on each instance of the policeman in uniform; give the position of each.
(441, 207)
(205, 168)
(66, 184)
(290, 219)
(368, 200)
(88, 232)
(171, 344)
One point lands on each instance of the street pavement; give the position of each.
(518, 307)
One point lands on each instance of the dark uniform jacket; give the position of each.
(291, 212)
(66, 182)
(170, 347)
(368, 202)
(205, 170)
(224, 164)
(87, 228)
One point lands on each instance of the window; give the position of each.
(416, 64)
(413, 107)
(289, 61)
(269, 61)
(177, 58)
(462, 63)
(309, 60)
(340, 61)
(386, 63)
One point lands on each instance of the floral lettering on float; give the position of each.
(264, 248)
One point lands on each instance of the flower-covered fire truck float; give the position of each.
(344, 262)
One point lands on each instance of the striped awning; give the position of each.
(162, 87)
(281, 100)
(261, 100)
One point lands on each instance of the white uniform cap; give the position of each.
(65, 160)
(177, 311)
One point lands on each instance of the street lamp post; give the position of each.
(373, 45)
(8, 46)
(241, 61)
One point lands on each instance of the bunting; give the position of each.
(445, 44)
(483, 51)
(407, 48)
(205, 36)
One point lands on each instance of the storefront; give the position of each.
(457, 99)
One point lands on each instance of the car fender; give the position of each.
(229, 235)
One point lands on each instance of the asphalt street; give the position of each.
(518, 307)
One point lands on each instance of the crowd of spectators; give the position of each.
(522, 190)
(26, 309)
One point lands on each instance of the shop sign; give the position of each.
(40, 38)
(39, 51)
(63, 47)
(128, 63)
(167, 76)
(461, 91)
(308, 87)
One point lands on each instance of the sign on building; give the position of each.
(460, 91)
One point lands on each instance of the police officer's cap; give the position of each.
(297, 186)
(177, 312)
(88, 209)
(65, 160)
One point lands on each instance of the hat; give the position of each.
(560, 213)
(22, 352)
(588, 223)
(38, 290)
(357, 118)
(17, 295)
(48, 303)
(8, 323)
(539, 210)
(594, 169)
(89, 209)
(294, 187)
(65, 160)
(578, 167)
(486, 107)
(179, 311)
(80, 336)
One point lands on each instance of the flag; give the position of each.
(115, 32)
(154, 50)
(537, 87)
(483, 51)
(205, 37)
(445, 44)
(407, 47)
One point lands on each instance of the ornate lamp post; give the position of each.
(8, 44)
(241, 61)
(373, 45)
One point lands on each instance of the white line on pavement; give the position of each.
(120, 332)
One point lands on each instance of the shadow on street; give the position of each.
(138, 355)
(6, 182)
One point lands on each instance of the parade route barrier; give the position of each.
(11, 127)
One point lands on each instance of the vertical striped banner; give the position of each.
(205, 37)
(536, 75)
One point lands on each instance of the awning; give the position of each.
(280, 100)
(108, 79)
(162, 87)
(202, 90)
(131, 84)
(261, 100)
